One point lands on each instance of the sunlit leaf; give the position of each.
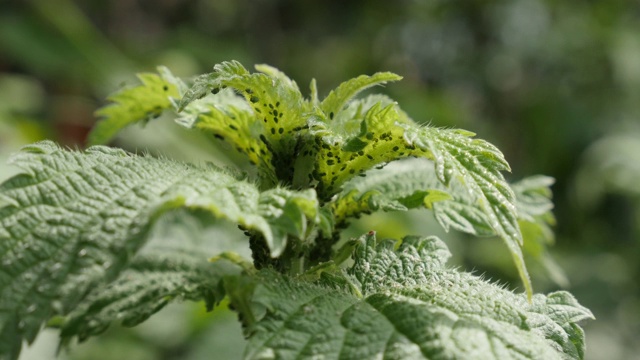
(74, 219)
(136, 104)
(405, 304)
(339, 97)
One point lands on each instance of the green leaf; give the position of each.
(533, 200)
(279, 110)
(413, 183)
(373, 131)
(275, 99)
(149, 283)
(74, 219)
(533, 196)
(226, 117)
(475, 165)
(136, 104)
(337, 98)
(403, 303)
(400, 186)
(209, 82)
(363, 135)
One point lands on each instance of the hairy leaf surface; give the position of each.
(405, 304)
(135, 104)
(476, 165)
(151, 281)
(74, 219)
(412, 183)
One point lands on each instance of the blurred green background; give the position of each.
(554, 84)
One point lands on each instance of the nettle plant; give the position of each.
(74, 228)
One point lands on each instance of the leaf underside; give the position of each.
(73, 220)
(405, 304)
(149, 283)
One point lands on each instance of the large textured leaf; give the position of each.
(74, 219)
(174, 265)
(149, 283)
(135, 104)
(405, 304)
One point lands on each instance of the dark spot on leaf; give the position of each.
(395, 148)
(248, 91)
(330, 162)
(273, 131)
(331, 115)
(218, 136)
(233, 127)
(280, 131)
(254, 99)
(165, 88)
(215, 91)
